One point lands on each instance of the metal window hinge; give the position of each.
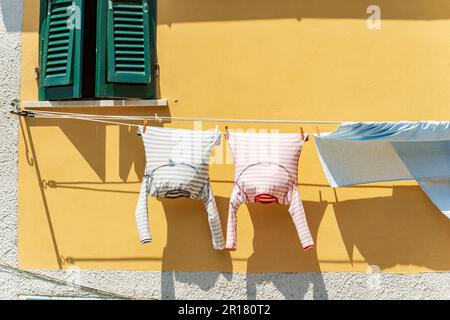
(15, 103)
(157, 70)
(37, 72)
(23, 113)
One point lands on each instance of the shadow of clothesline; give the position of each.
(89, 185)
(52, 184)
(32, 161)
(324, 185)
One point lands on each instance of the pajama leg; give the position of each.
(214, 219)
(235, 203)
(298, 216)
(142, 214)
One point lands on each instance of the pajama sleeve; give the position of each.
(298, 216)
(213, 218)
(142, 214)
(235, 203)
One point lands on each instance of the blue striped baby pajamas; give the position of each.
(177, 166)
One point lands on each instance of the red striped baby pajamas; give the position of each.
(266, 167)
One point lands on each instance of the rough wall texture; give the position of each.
(165, 285)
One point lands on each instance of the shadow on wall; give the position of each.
(292, 286)
(90, 138)
(404, 229)
(189, 237)
(276, 248)
(127, 160)
(276, 240)
(276, 245)
(90, 141)
(174, 11)
(11, 13)
(95, 151)
(189, 241)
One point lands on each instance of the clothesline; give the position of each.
(111, 119)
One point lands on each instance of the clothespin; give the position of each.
(303, 135)
(317, 131)
(145, 125)
(158, 119)
(226, 132)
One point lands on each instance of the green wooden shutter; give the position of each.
(128, 41)
(126, 32)
(59, 44)
(60, 49)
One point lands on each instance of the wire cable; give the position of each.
(81, 116)
(40, 276)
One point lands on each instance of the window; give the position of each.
(97, 49)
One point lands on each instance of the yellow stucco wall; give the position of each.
(284, 59)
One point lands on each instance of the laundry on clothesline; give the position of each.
(364, 152)
(266, 164)
(266, 167)
(177, 166)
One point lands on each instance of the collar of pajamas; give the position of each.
(266, 167)
(361, 152)
(177, 166)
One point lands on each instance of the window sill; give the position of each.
(95, 103)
